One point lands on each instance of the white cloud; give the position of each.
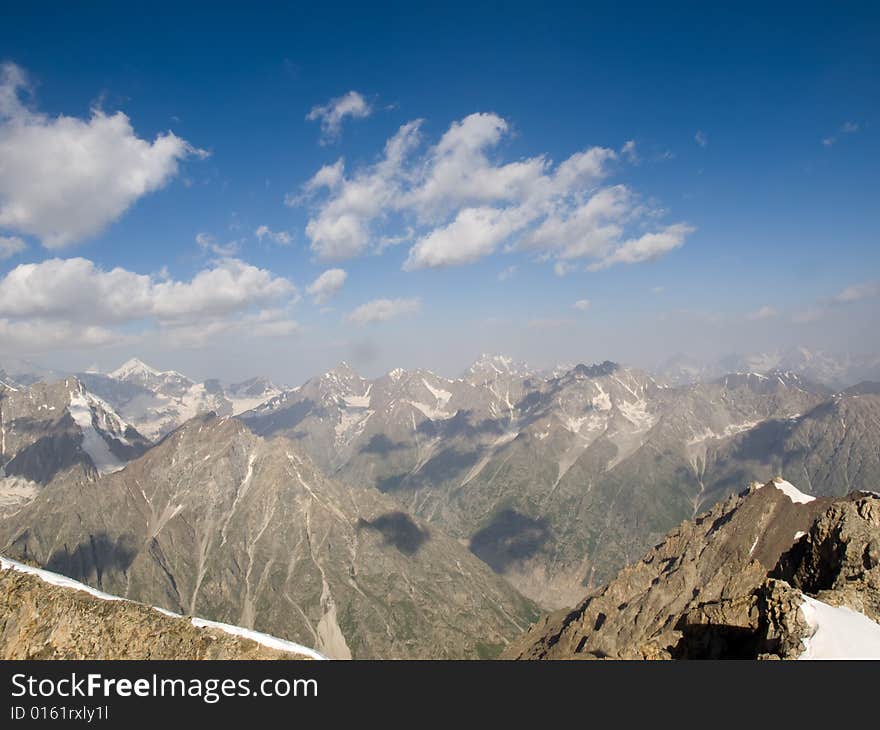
(209, 244)
(849, 295)
(850, 127)
(340, 229)
(381, 310)
(326, 285)
(855, 292)
(828, 141)
(765, 312)
(333, 113)
(272, 323)
(563, 268)
(701, 139)
(282, 238)
(65, 178)
(507, 273)
(75, 290)
(629, 151)
(11, 245)
(647, 247)
(459, 204)
(475, 233)
(582, 305)
(41, 335)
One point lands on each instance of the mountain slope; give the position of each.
(46, 616)
(218, 522)
(731, 583)
(52, 432)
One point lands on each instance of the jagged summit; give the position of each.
(596, 371)
(497, 364)
(133, 367)
(755, 577)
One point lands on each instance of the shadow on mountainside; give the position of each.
(93, 557)
(509, 538)
(397, 529)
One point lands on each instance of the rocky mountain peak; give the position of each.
(731, 583)
(599, 370)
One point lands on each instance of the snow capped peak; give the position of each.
(493, 365)
(344, 369)
(133, 367)
(397, 373)
(97, 421)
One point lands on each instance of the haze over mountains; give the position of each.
(409, 515)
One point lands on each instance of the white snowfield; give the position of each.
(790, 491)
(273, 642)
(93, 443)
(839, 632)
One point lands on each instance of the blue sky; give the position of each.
(741, 215)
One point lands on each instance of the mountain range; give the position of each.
(409, 515)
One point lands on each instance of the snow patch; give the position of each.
(838, 632)
(359, 401)
(430, 412)
(92, 441)
(792, 492)
(441, 395)
(273, 642)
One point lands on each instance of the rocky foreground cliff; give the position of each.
(772, 574)
(47, 616)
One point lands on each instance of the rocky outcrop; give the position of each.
(729, 584)
(39, 620)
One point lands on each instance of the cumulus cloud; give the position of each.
(282, 238)
(459, 204)
(475, 233)
(326, 285)
(10, 245)
(59, 296)
(64, 178)
(332, 114)
(701, 139)
(381, 310)
(582, 305)
(647, 247)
